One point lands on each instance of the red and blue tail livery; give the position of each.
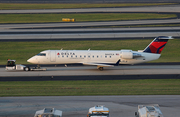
(157, 45)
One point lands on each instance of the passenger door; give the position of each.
(53, 56)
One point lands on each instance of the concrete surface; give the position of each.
(156, 9)
(92, 70)
(86, 24)
(77, 106)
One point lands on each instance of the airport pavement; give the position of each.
(85, 36)
(87, 33)
(155, 9)
(92, 70)
(77, 106)
(86, 24)
(72, 31)
(13, 32)
(89, 30)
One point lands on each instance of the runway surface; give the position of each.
(155, 9)
(86, 24)
(77, 106)
(83, 36)
(86, 33)
(92, 73)
(89, 30)
(50, 31)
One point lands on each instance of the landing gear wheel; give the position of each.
(26, 69)
(100, 68)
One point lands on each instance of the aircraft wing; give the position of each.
(99, 64)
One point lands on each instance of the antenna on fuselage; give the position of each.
(61, 48)
(89, 49)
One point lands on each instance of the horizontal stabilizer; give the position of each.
(166, 37)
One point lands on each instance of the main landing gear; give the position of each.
(38, 66)
(100, 68)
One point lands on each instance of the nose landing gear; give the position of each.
(100, 68)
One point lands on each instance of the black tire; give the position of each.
(136, 114)
(26, 69)
(100, 68)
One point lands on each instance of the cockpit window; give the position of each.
(41, 54)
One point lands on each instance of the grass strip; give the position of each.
(21, 51)
(43, 18)
(18, 6)
(80, 88)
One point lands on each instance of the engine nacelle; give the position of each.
(126, 54)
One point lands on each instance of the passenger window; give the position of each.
(97, 56)
(93, 56)
(62, 56)
(105, 56)
(67, 56)
(71, 56)
(109, 56)
(84, 56)
(80, 56)
(76, 56)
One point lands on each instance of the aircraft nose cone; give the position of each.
(29, 60)
(32, 60)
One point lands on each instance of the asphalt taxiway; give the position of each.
(86, 33)
(83, 36)
(92, 73)
(87, 24)
(84, 30)
(155, 9)
(77, 106)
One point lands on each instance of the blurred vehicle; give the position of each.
(149, 111)
(98, 111)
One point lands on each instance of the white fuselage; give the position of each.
(92, 56)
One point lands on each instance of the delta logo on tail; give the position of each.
(157, 45)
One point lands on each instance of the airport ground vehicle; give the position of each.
(11, 65)
(149, 111)
(48, 112)
(98, 111)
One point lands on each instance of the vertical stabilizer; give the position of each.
(157, 45)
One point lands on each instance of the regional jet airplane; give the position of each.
(102, 58)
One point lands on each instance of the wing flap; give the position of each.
(99, 64)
